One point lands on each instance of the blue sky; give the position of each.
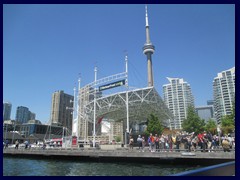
(45, 47)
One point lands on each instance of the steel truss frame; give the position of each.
(142, 103)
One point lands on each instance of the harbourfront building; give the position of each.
(61, 110)
(7, 108)
(224, 93)
(36, 127)
(177, 97)
(205, 112)
(210, 102)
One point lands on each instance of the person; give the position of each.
(230, 139)
(131, 141)
(16, 144)
(157, 142)
(226, 144)
(170, 142)
(44, 145)
(194, 143)
(139, 141)
(189, 142)
(162, 143)
(26, 144)
(143, 143)
(6, 144)
(151, 142)
(201, 141)
(178, 141)
(205, 141)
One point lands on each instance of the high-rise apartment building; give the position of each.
(22, 114)
(177, 97)
(32, 116)
(7, 108)
(84, 128)
(61, 112)
(224, 93)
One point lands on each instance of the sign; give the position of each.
(74, 140)
(112, 85)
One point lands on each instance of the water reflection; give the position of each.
(54, 167)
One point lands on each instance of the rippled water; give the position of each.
(42, 167)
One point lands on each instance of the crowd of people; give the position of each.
(205, 142)
(179, 141)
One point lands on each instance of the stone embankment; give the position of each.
(124, 154)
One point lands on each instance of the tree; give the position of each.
(228, 122)
(211, 126)
(154, 125)
(193, 123)
(117, 138)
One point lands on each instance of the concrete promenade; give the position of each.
(123, 154)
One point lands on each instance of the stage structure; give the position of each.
(130, 106)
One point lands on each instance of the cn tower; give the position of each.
(148, 49)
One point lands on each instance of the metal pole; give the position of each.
(78, 101)
(73, 110)
(85, 128)
(94, 113)
(126, 60)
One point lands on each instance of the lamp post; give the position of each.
(219, 137)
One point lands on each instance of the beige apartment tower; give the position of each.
(61, 112)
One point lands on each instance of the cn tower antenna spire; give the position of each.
(148, 50)
(146, 15)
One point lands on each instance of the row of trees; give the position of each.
(193, 123)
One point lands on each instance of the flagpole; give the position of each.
(94, 101)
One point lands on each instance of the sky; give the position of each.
(47, 47)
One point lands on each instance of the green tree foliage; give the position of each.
(228, 122)
(154, 125)
(211, 126)
(117, 138)
(193, 123)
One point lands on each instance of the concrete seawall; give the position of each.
(206, 158)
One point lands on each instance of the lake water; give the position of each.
(13, 166)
